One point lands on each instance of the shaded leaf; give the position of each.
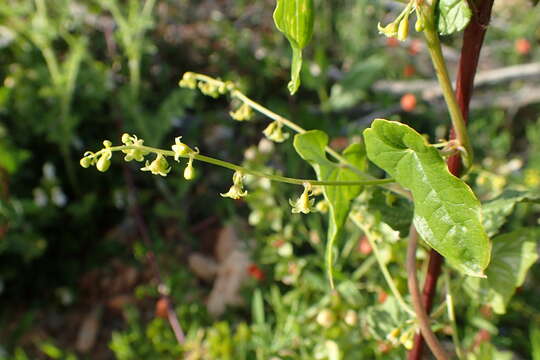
(497, 210)
(310, 146)
(383, 318)
(294, 18)
(452, 16)
(396, 212)
(512, 256)
(446, 212)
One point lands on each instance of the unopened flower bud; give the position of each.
(126, 138)
(403, 30)
(103, 163)
(189, 171)
(107, 143)
(86, 162)
(420, 24)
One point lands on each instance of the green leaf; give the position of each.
(446, 212)
(452, 16)
(294, 18)
(512, 256)
(497, 210)
(310, 146)
(383, 318)
(396, 212)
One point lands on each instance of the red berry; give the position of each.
(363, 246)
(408, 102)
(415, 47)
(409, 70)
(255, 272)
(392, 42)
(522, 46)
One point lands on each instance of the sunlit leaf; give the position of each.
(512, 256)
(452, 16)
(447, 214)
(310, 146)
(294, 18)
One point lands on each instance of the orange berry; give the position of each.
(382, 296)
(522, 46)
(408, 102)
(162, 308)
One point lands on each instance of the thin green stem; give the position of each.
(272, 115)
(458, 122)
(382, 265)
(235, 93)
(451, 315)
(245, 170)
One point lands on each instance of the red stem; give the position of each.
(473, 38)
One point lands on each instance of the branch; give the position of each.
(473, 38)
(421, 315)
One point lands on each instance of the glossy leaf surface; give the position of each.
(294, 18)
(512, 256)
(310, 146)
(447, 214)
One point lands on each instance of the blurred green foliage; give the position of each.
(76, 72)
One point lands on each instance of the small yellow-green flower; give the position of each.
(188, 81)
(180, 149)
(237, 189)
(303, 204)
(274, 132)
(159, 166)
(243, 113)
(133, 154)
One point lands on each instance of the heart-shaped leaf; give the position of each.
(447, 214)
(294, 18)
(512, 256)
(310, 146)
(452, 16)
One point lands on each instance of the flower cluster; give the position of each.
(208, 86)
(399, 28)
(237, 189)
(101, 159)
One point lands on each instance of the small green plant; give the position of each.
(425, 179)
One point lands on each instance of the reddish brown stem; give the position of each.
(473, 39)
